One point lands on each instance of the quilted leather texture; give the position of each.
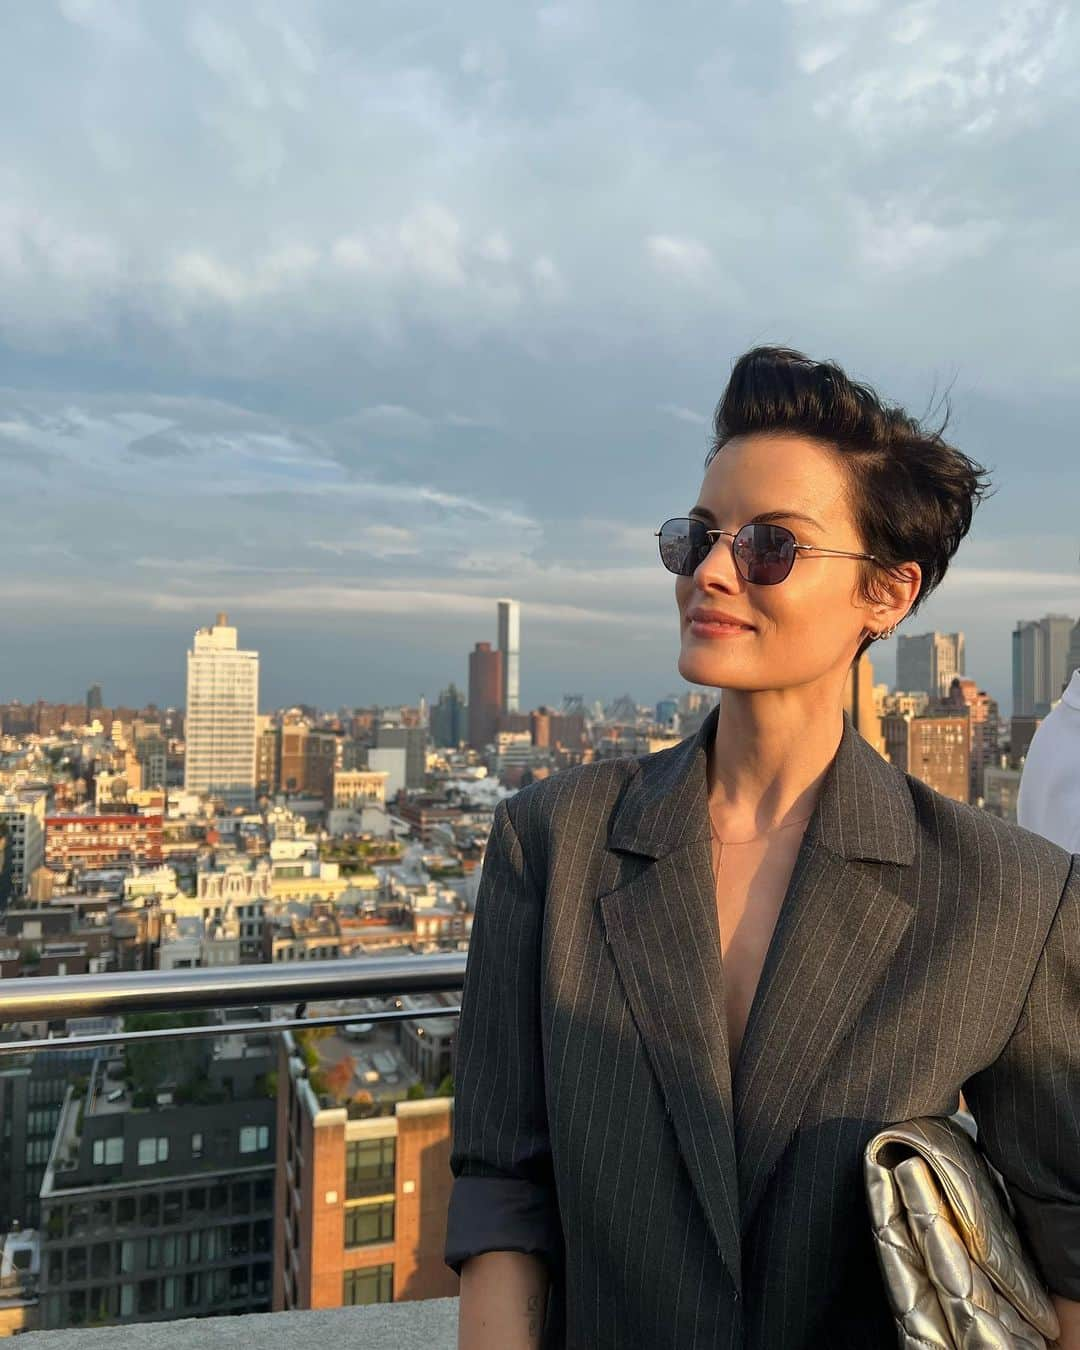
(955, 1269)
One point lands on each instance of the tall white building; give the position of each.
(928, 661)
(1041, 653)
(220, 721)
(509, 645)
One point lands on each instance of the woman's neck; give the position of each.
(768, 758)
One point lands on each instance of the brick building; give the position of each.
(361, 1203)
(102, 840)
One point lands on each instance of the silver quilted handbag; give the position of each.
(955, 1269)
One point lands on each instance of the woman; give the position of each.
(699, 980)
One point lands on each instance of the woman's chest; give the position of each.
(750, 882)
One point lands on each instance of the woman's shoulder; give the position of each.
(546, 809)
(999, 847)
(569, 788)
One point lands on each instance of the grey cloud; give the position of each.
(318, 300)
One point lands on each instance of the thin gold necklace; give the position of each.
(754, 838)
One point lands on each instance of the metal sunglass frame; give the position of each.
(734, 534)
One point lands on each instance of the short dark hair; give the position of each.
(912, 494)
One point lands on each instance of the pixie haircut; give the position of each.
(911, 494)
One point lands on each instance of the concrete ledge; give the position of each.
(426, 1324)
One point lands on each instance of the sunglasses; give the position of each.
(764, 554)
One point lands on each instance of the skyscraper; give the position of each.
(1040, 663)
(220, 721)
(509, 645)
(984, 726)
(1073, 662)
(448, 726)
(485, 682)
(928, 661)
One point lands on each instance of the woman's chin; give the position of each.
(708, 668)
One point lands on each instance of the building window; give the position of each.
(254, 1138)
(369, 1166)
(108, 1152)
(373, 1285)
(196, 1145)
(152, 1150)
(365, 1224)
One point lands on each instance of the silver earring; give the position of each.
(886, 632)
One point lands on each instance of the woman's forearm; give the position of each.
(502, 1300)
(1068, 1311)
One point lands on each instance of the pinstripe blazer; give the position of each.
(923, 948)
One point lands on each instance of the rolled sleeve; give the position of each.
(490, 1214)
(1026, 1104)
(503, 1196)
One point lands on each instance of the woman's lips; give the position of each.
(699, 628)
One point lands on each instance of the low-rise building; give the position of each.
(362, 1198)
(97, 841)
(158, 1201)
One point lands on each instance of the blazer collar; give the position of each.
(864, 808)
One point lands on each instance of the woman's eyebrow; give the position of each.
(762, 518)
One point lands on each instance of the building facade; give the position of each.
(485, 694)
(448, 719)
(23, 815)
(362, 1202)
(929, 661)
(32, 1092)
(306, 759)
(103, 840)
(984, 724)
(509, 636)
(151, 1213)
(934, 747)
(1040, 663)
(220, 718)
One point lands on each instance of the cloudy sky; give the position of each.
(349, 319)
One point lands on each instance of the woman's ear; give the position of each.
(901, 586)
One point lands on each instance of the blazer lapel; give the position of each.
(839, 924)
(664, 937)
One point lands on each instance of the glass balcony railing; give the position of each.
(216, 1142)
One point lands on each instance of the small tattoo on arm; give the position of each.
(535, 1312)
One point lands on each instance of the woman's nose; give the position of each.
(718, 565)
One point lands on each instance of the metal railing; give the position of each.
(55, 998)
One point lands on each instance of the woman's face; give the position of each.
(808, 625)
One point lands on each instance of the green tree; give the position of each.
(152, 1064)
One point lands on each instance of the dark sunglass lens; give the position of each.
(681, 543)
(765, 553)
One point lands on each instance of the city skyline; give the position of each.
(884, 664)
